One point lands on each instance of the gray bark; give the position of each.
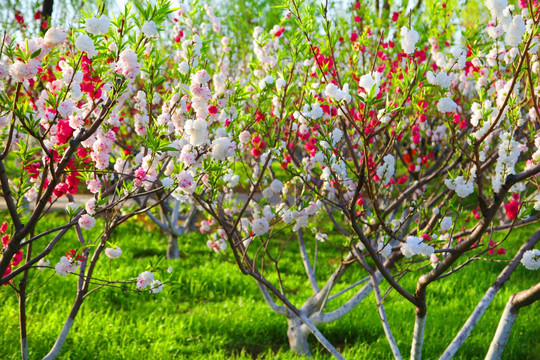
(514, 304)
(418, 337)
(65, 330)
(297, 333)
(307, 265)
(460, 338)
(350, 304)
(502, 334)
(384, 320)
(173, 252)
(60, 340)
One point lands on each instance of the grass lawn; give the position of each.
(213, 311)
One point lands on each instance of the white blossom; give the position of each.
(20, 71)
(156, 286)
(197, 131)
(442, 79)
(316, 111)
(66, 266)
(85, 44)
(515, 31)
(167, 183)
(280, 83)
(144, 279)
(446, 223)
(509, 151)
(463, 187)
(413, 246)
(97, 26)
(260, 226)
(149, 29)
(55, 36)
(531, 259)
(183, 67)
(128, 64)
(337, 134)
(276, 186)
(409, 38)
(43, 263)
(386, 170)
(222, 148)
(87, 222)
(370, 82)
(496, 7)
(113, 253)
(446, 104)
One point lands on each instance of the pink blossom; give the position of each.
(87, 222)
(185, 181)
(113, 253)
(94, 185)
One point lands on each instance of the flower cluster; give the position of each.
(461, 185)
(414, 245)
(69, 263)
(146, 279)
(387, 169)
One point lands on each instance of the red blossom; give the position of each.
(6, 273)
(255, 152)
(255, 140)
(63, 132)
(72, 255)
(17, 258)
(402, 180)
(259, 116)
(5, 240)
(18, 17)
(60, 189)
(82, 152)
(512, 209)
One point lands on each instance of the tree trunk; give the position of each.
(173, 252)
(460, 338)
(22, 322)
(298, 334)
(503, 332)
(46, 15)
(65, 329)
(511, 311)
(418, 337)
(22, 306)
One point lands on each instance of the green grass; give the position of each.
(215, 312)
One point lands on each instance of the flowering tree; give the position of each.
(415, 144)
(417, 149)
(63, 121)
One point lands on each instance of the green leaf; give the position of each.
(35, 54)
